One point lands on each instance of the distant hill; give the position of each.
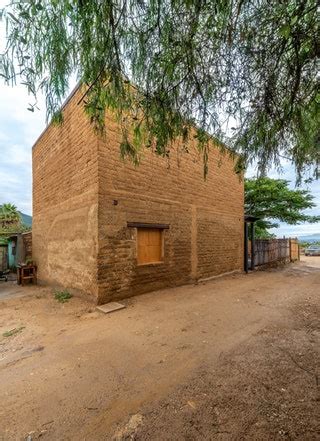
(26, 219)
(310, 238)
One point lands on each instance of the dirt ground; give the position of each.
(235, 358)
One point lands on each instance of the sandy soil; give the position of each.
(313, 261)
(235, 358)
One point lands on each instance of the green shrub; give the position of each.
(62, 296)
(13, 331)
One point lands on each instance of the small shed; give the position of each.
(18, 248)
(3, 254)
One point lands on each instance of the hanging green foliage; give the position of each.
(243, 71)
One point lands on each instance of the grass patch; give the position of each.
(62, 296)
(13, 331)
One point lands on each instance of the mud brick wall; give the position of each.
(65, 196)
(84, 195)
(205, 217)
(27, 245)
(3, 257)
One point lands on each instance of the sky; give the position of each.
(19, 129)
(304, 229)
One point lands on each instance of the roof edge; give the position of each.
(213, 138)
(64, 104)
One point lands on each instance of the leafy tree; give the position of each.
(306, 244)
(272, 200)
(9, 215)
(167, 66)
(10, 220)
(261, 232)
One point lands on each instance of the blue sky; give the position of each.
(288, 173)
(19, 129)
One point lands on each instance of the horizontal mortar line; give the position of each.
(152, 198)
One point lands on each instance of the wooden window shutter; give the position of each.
(150, 245)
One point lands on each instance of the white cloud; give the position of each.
(297, 230)
(19, 128)
(16, 155)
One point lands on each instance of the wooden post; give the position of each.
(19, 250)
(290, 250)
(246, 247)
(252, 246)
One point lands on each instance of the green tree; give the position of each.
(166, 66)
(9, 215)
(272, 200)
(10, 220)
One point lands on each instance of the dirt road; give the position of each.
(235, 358)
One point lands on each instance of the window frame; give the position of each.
(148, 226)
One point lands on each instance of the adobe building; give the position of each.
(111, 230)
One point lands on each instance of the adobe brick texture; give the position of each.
(84, 195)
(27, 244)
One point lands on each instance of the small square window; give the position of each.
(149, 245)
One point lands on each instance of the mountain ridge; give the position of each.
(26, 219)
(309, 238)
